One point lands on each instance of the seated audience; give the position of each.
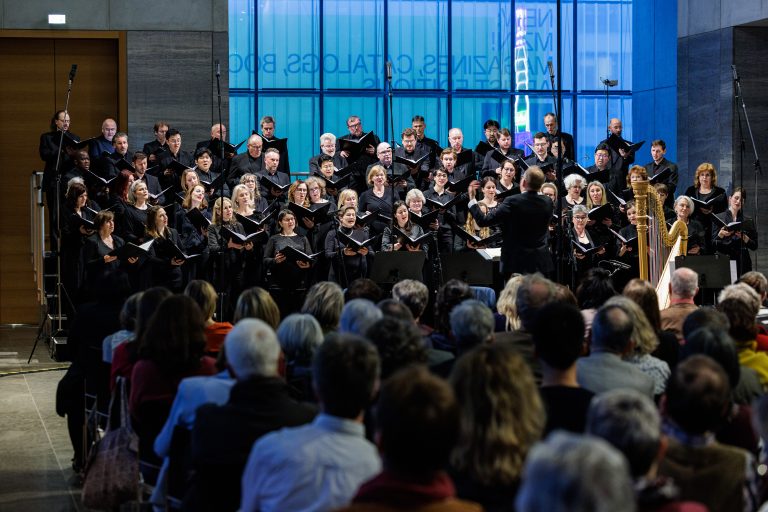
(558, 340)
(683, 287)
(299, 335)
(398, 343)
(644, 342)
(321, 465)
(417, 425)
(631, 423)
(572, 473)
(325, 301)
(257, 303)
(358, 315)
(502, 417)
(128, 328)
(719, 476)
(604, 368)
(204, 294)
(223, 433)
(740, 304)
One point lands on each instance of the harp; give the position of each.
(658, 246)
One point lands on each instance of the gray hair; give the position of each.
(574, 473)
(534, 292)
(580, 208)
(643, 334)
(684, 282)
(251, 349)
(299, 335)
(571, 180)
(132, 190)
(413, 294)
(358, 315)
(688, 200)
(744, 293)
(414, 193)
(472, 323)
(629, 421)
(329, 137)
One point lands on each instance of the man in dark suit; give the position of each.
(620, 160)
(153, 184)
(250, 162)
(659, 164)
(550, 123)
(524, 221)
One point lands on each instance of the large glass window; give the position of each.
(458, 63)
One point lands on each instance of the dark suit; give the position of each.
(570, 148)
(339, 162)
(652, 169)
(524, 221)
(603, 371)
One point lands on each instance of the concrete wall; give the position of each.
(171, 49)
(713, 35)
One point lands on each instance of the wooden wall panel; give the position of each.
(34, 88)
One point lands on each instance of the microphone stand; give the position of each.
(61, 292)
(560, 262)
(742, 107)
(340, 253)
(222, 258)
(392, 145)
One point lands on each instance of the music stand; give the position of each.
(389, 267)
(468, 266)
(714, 271)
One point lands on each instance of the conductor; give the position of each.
(524, 222)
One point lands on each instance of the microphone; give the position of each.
(617, 264)
(389, 71)
(72, 72)
(735, 74)
(218, 69)
(608, 82)
(551, 70)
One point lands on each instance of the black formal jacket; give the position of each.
(524, 222)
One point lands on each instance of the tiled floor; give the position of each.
(35, 452)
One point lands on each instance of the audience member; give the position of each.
(257, 303)
(358, 315)
(506, 305)
(740, 304)
(128, 328)
(259, 402)
(325, 301)
(736, 428)
(502, 416)
(534, 292)
(593, 291)
(394, 309)
(417, 425)
(450, 295)
(558, 342)
(572, 473)
(472, 324)
(683, 287)
(719, 476)
(299, 336)
(644, 342)
(631, 423)
(604, 368)
(398, 343)
(415, 295)
(643, 293)
(363, 288)
(320, 466)
(204, 294)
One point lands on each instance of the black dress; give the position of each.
(134, 222)
(227, 264)
(288, 283)
(72, 242)
(355, 266)
(160, 271)
(383, 205)
(733, 246)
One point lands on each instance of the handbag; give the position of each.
(112, 475)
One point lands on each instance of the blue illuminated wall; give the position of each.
(312, 63)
